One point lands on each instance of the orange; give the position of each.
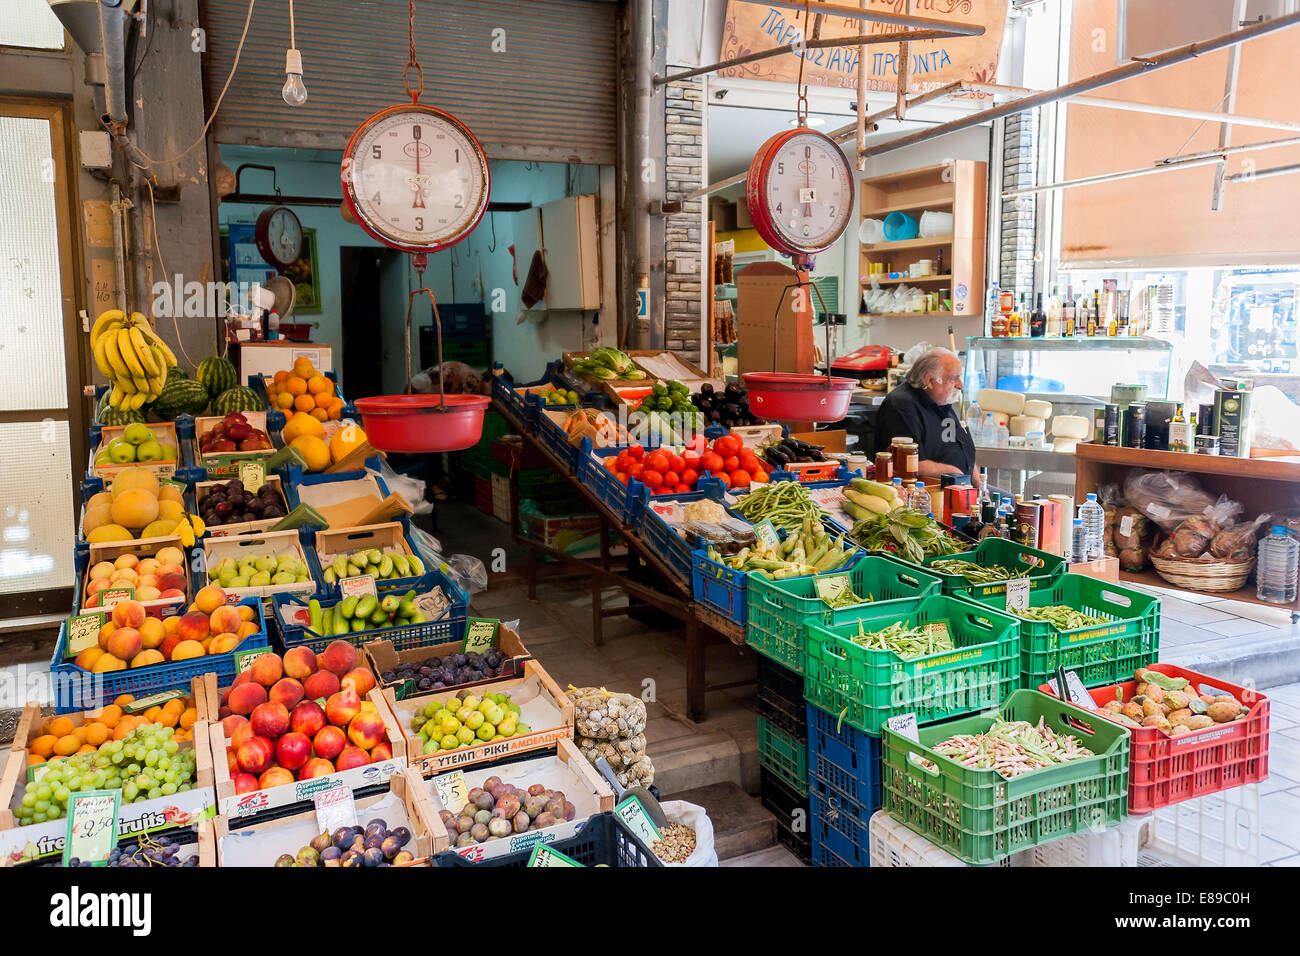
(316, 384)
(188, 716)
(43, 745)
(296, 385)
(34, 758)
(280, 376)
(284, 400)
(304, 403)
(319, 414)
(303, 368)
(123, 699)
(96, 734)
(86, 749)
(67, 744)
(59, 726)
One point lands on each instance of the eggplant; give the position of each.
(706, 389)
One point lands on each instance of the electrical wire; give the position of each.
(492, 220)
(153, 215)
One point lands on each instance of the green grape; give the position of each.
(29, 799)
(151, 758)
(155, 793)
(61, 795)
(170, 776)
(118, 757)
(183, 788)
(42, 792)
(171, 746)
(129, 790)
(133, 769)
(168, 788)
(38, 818)
(41, 806)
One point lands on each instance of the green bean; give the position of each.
(976, 573)
(785, 503)
(1060, 616)
(906, 642)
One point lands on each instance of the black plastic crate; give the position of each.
(605, 839)
(784, 804)
(780, 697)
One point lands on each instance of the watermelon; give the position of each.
(180, 396)
(217, 375)
(106, 414)
(176, 373)
(241, 398)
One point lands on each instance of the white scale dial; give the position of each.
(284, 233)
(809, 195)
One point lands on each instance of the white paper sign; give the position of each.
(1078, 694)
(335, 808)
(1018, 594)
(360, 586)
(634, 815)
(905, 726)
(452, 791)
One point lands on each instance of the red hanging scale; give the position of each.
(416, 179)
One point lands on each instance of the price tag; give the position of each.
(766, 533)
(1018, 594)
(433, 604)
(938, 630)
(404, 690)
(253, 475)
(905, 726)
(828, 589)
(83, 632)
(92, 826)
(335, 808)
(244, 659)
(452, 791)
(480, 635)
(1074, 689)
(633, 814)
(545, 856)
(1126, 525)
(360, 586)
(154, 700)
(110, 598)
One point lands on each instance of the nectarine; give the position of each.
(320, 685)
(299, 662)
(315, 767)
(366, 730)
(193, 626)
(247, 696)
(274, 777)
(286, 691)
(307, 718)
(293, 750)
(352, 757)
(360, 680)
(129, 614)
(342, 707)
(381, 752)
(254, 755)
(339, 657)
(244, 782)
(329, 742)
(269, 720)
(266, 669)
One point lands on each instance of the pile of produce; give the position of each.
(789, 451)
(161, 577)
(1170, 704)
(811, 550)
(554, 395)
(977, 573)
(676, 843)
(497, 810)
(180, 395)
(219, 377)
(908, 534)
(130, 354)
(675, 399)
(664, 471)
(907, 642)
(1060, 616)
(233, 433)
(138, 505)
(231, 503)
(589, 423)
(145, 763)
(435, 673)
(61, 737)
(608, 364)
(382, 564)
(1201, 539)
(375, 845)
(612, 725)
(363, 613)
(277, 733)
(149, 851)
(864, 498)
(456, 723)
(137, 443)
(1013, 747)
(728, 408)
(1127, 535)
(303, 389)
(784, 503)
(256, 571)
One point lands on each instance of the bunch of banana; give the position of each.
(190, 528)
(131, 356)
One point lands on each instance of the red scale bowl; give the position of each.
(413, 424)
(791, 396)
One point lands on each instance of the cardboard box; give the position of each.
(381, 656)
(140, 548)
(267, 543)
(344, 502)
(566, 770)
(543, 706)
(226, 464)
(256, 802)
(163, 432)
(403, 804)
(577, 535)
(773, 322)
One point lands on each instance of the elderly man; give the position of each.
(922, 408)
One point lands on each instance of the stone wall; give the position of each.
(684, 169)
(1019, 214)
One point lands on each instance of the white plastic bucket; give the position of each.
(936, 223)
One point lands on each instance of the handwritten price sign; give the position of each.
(92, 826)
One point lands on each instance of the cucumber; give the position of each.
(366, 606)
(349, 606)
(314, 615)
(402, 565)
(386, 566)
(360, 625)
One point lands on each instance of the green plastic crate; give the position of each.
(784, 754)
(1100, 654)
(1041, 565)
(868, 686)
(780, 611)
(982, 817)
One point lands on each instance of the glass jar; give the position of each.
(907, 457)
(885, 466)
(998, 327)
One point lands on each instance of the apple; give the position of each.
(269, 720)
(254, 755)
(352, 757)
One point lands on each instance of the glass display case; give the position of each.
(1067, 371)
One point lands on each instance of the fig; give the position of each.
(534, 805)
(447, 817)
(285, 859)
(570, 811)
(464, 823)
(390, 846)
(499, 827)
(484, 801)
(321, 842)
(555, 808)
(479, 832)
(545, 819)
(373, 856)
(483, 816)
(522, 821)
(403, 836)
(464, 840)
(536, 790)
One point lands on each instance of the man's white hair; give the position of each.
(929, 364)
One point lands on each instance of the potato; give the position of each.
(1176, 699)
(1221, 711)
(1152, 709)
(1157, 721)
(1177, 716)
(1197, 722)
(1133, 711)
(1155, 692)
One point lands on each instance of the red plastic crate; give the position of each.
(1166, 770)
(483, 495)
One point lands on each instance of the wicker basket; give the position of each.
(1197, 575)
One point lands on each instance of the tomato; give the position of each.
(689, 477)
(677, 463)
(681, 490)
(749, 463)
(727, 445)
(622, 478)
(636, 451)
(711, 461)
(611, 465)
(723, 477)
(759, 477)
(622, 461)
(634, 470)
(672, 479)
(651, 478)
(691, 458)
(657, 461)
(731, 464)
(740, 478)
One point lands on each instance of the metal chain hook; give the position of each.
(801, 104)
(411, 60)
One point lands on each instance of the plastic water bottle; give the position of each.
(991, 308)
(1279, 561)
(1006, 506)
(919, 500)
(1093, 517)
(1002, 435)
(1077, 544)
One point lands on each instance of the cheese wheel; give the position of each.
(1071, 426)
(1064, 445)
(999, 400)
(1038, 409)
(1024, 424)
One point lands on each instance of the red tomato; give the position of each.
(759, 477)
(740, 478)
(711, 461)
(731, 464)
(672, 479)
(622, 478)
(657, 461)
(622, 461)
(691, 458)
(689, 477)
(677, 463)
(680, 490)
(636, 451)
(634, 470)
(727, 445)
(651, 478)
(723, 477)
(611, 465)
(749, 462)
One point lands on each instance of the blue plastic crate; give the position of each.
(611, 492)
(603, 839)
(388, 584)
(720, 588)
(662, 539)
(81, 563)
(837, 836)
(843, 759)
(551, 436)
(76, 689)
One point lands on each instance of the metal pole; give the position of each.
(643, 33)
(1262, 174)
(1089, 83)
(1229, 102)
(861, 125)
(857, 13)
(1212, 116)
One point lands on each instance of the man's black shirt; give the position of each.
(910, 411)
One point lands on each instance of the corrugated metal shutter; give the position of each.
(549, 97)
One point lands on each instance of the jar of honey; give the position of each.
(907, 457)
(884, 466)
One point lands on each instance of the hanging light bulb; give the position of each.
(294, 90)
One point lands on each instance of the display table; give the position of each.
(1260, 484)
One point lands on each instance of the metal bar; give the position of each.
(1229, 102)
(857, 13)
(1109, 177)
(800, 45)
(1212, 116)
(1262, 173)
(1096, 81)
(861, 125)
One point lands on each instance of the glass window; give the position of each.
(30, 24)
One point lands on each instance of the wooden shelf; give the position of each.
(1247, 594)
(1268, 469)
(917, 243)
(879, 212)
(866, 280)
(917, 315)
(922, 174)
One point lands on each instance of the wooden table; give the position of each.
(1260, 484)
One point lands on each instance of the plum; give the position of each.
(480, 833)
(499, 827)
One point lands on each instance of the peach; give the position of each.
(360, 680)
(243, 677)
(209, 598)
(170, 555)
(299, 662)
(171, 623)
(193, 626)
(144, 658)
(274, 777)
(254, 755)
(315, 767)
(223, 620)
(152, 632)
(125, 577)
(342, 707)
(320, 685)
(381, 752)
(329, 742)
(232, 723)
(339, 657)
(223, 712)
(245, 628)
(102, 571)
(107, 663)
(147, 581)
(293, 750)
(86, 659)
(99, 584)
(187, 650)
(148, 566)
(171, 581)
(129, 614)
(369, 705)
(126, 561)
(246, 612)
(172, 594)
(147, 594)
(246, 697)
(125, 643)
(244, 782)
(168, 645)
(267, 669)
(352, 757)
(242, 734)
(307, 718)
(286, 691)
(223, 644)
(269, 720)
(105, 632)
(232, 765)
(366, 730)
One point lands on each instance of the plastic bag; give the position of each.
(1239, 541)
(468, 572)
(1171, 497)
(412, 489)
(1275, 420)
(604, 715)
(689, 815)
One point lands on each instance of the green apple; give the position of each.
(168, 452)
(104, 458)
(148, 451)
(120, 452)
(137, 433)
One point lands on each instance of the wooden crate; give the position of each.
(258, 802)
(381, 656)
(264, 841)
(273, 543)
(539, 697)
(567, 770)
(141, 548)
(164, 432)
(388, 538)
(571, 357)
(201, 490)
(226, 464)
